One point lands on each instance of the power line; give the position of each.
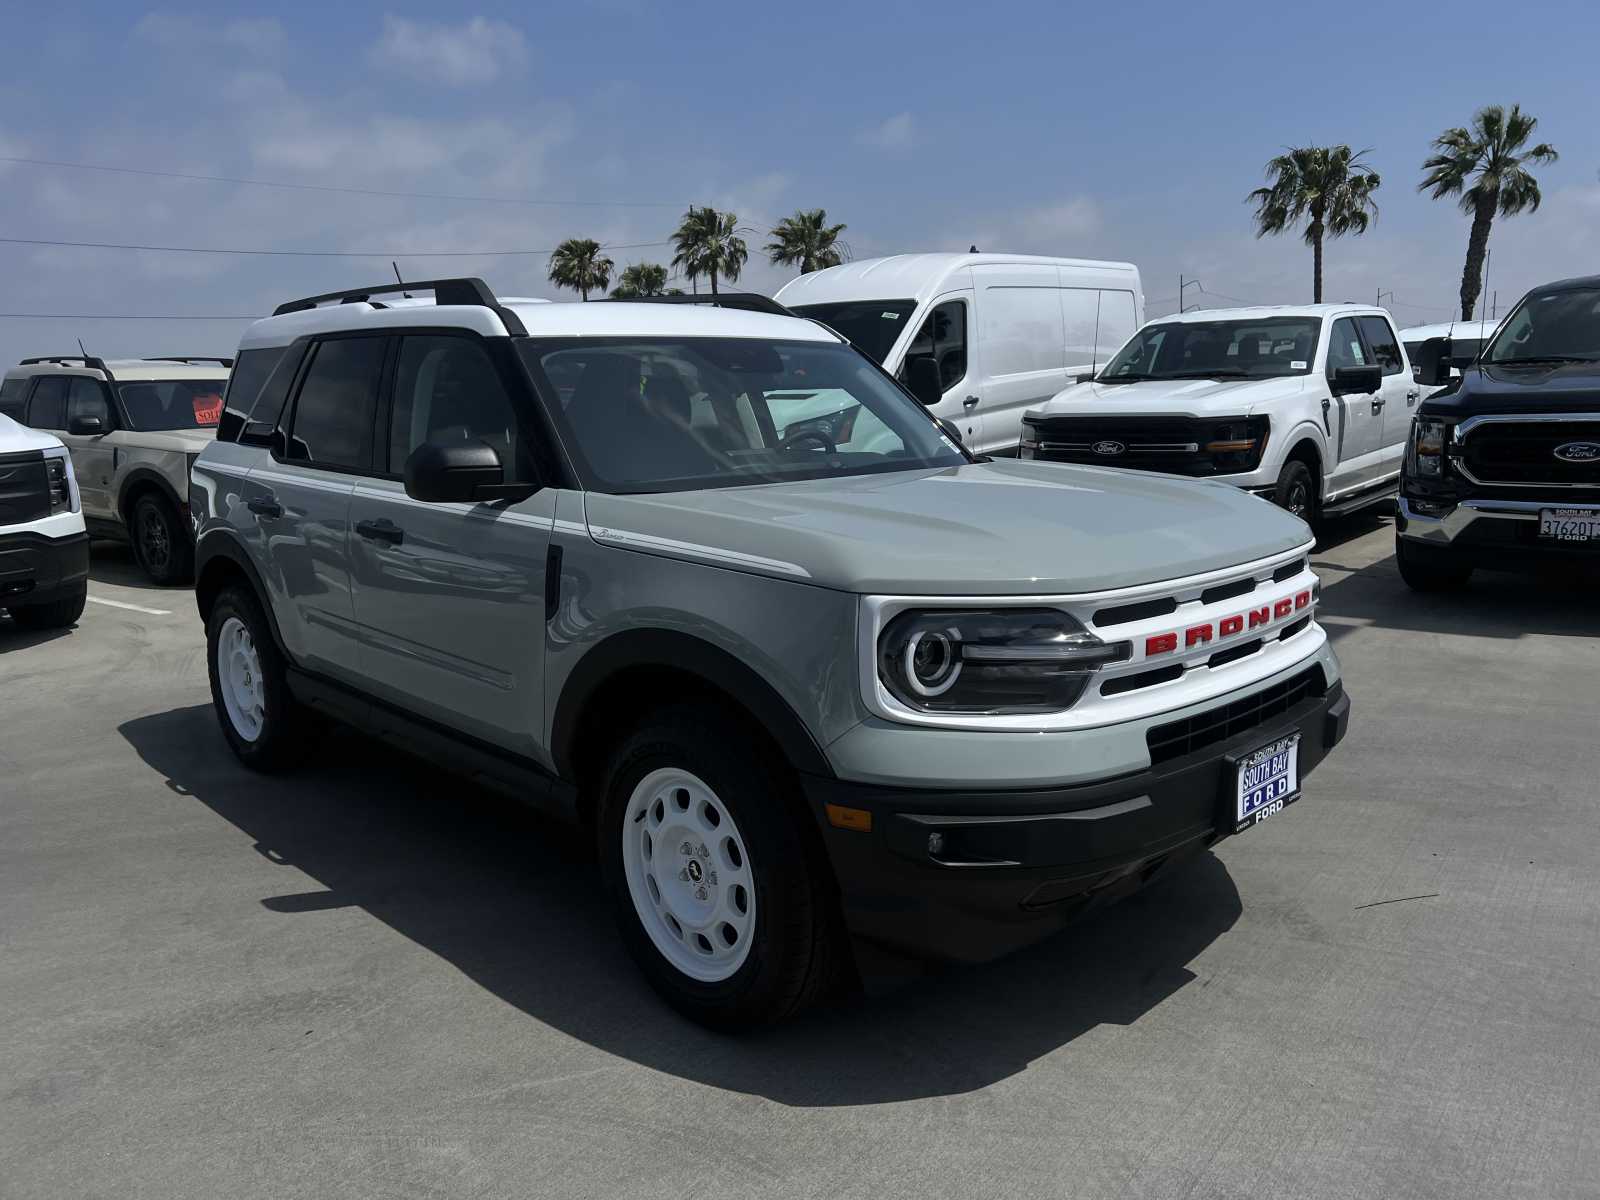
(353, 191)
(310, 253)
(119, 317)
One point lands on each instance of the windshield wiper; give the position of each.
(1120, 378)
(1219, 373)
(1543, 358)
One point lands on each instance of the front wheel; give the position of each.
(249, 685)
(161, 543)
(1430, 568)
(720, 894)
(1296, 491)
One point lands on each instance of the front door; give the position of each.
(1359, 436)
(946, 337)
(450, 597)
(94, 455)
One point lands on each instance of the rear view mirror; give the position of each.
(923, 380)
(1358, 379)
(464, 472)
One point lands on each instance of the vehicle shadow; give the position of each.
(14, 637)
(113, 562)
(514, 903)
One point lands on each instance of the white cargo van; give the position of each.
(980, 338)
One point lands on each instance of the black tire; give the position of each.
(162, 544)
(284, 733)
(799, 948)
(1296, 491)
(56, 614)
(1430, 568)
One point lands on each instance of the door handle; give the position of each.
(381, 531)
(264, 506)
(1377, 404)
(970, 402)
(1413, 396)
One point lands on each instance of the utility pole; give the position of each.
(1382, 292)
(1182, 285)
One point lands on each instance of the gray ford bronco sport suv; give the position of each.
(708, 582)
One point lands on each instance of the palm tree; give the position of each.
(578, 264)
(807, 241)
(1491, 156)
(641, 279)
(1328, 186)
(708, 243)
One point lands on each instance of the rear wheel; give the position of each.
(249, 685)
(56, 614)
(161, 543)
(1296, 491)
(1430, 568)
(720, 894)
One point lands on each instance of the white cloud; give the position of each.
(893, 133)
(259, 36)
(455, 55)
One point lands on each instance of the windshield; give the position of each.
(663, 415)
(1260, 349)
(871, 325)
(1550, 327)
(154, 404)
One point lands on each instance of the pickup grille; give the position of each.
(1512, 453)
(24, 488)
(1178, 738)
(1148, 443)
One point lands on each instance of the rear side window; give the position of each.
(48, 408)
(333, 415)
(1385, 345)
(12, 393)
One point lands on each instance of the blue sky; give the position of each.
(1127, 131)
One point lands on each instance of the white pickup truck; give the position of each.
(1308, 405)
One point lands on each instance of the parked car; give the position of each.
(1307, 405)
(978, 338)
(796, 692)
(44, 551)
(133, 426)
(1503, 467)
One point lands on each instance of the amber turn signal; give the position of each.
(840, 817)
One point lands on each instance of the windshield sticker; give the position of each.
(207, 408)
(890, 316)
(1297, 364)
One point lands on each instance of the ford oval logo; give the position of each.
(1572, 452)
(1108, 448)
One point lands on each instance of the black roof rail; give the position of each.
(747, 301)
(62, 360)
(467, 290)
(191, 358)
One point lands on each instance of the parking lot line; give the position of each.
(138, 608)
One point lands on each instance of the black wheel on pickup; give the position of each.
(1430, 568)
(1297, 491)
(161, 543)
(721, 894)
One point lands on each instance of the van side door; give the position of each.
(1022, 347)
(946, 337)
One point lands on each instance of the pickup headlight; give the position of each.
(58, 478)
(1428, 437)
(1236, 444)
(1007, 661)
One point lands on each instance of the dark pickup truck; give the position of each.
(1502, 469)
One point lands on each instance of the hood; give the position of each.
(996, 528)
(1564, 387)
(1171, 397)
(184, 441)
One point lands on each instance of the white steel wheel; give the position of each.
(688, 874)
(239, 679)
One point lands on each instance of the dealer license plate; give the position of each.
(1570, 524)
(1268, 779)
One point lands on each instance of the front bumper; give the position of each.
(1013, 866)
(36, 569)
(1490, 532)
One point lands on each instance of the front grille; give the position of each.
(1178, 738)
(1144, 443)
(1523, 452)
(24, 488)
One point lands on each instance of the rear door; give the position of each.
(1359, 435)
(946, 336)
(1021, 344)
(300, 501)
(450, 597)
(1400, 391)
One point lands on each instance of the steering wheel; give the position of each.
(823, 441)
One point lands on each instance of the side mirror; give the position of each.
(951, 430)
(1089, 378)
(86, 425)
(464, 472)
(1428, 364)
(924, 381)
(1358, 379)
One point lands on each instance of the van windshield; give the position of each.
(683, 414)
(1257, 349)
(872, 326)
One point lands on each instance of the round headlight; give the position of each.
(932, 662)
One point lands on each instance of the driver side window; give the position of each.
(447, 391)
(1345, 348)
(943, 337)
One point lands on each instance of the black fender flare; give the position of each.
(138, 478)
(678, 651)
(221, 543)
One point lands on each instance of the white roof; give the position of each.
(912, 276)
(15, 437)
(1462, 329)
(127, 369)
(1261, 312)
(543, 319)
